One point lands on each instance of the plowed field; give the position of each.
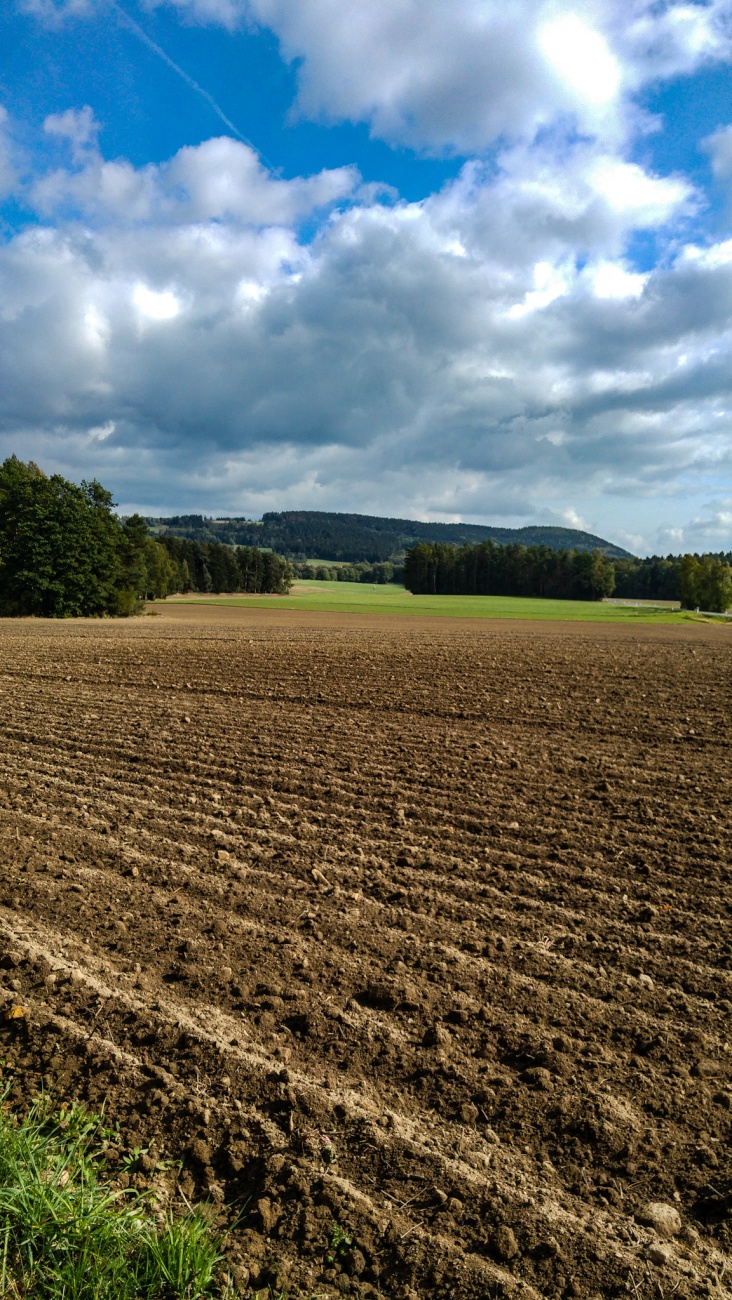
(410, 939)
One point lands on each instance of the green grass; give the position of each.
(66, 1235)
(359, 598)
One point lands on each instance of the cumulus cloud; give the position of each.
(462, 74)
(77, 125)
(221, 179)
(712, 529)
(437, 74)
(440, 75)
(455, 356)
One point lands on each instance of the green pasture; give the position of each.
(363, 598)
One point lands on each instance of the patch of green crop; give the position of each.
(66, 1235)
(363, 598)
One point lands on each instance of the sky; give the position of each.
(440, 259)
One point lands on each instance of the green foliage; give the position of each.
(65, 1233)
(705, 582)
(210, 566)
(340, 1240)
(58, 545)
(149, 569)
(698, 581)
(376, 574)
(490, 570)
(63, 553)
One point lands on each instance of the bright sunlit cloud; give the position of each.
(96, 327)
(155, 306)
(581, 57)
(628, 189)
(550, 283)
(609, 280)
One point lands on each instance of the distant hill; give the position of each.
(308, 534)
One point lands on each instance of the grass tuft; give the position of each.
(66, 1235)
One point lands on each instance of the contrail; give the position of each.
(151, 44)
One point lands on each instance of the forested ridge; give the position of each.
(697, 581)
(303, 535)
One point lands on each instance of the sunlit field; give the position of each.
(359, 597)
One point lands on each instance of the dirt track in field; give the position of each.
(409, 930)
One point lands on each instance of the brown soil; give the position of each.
(415, 932)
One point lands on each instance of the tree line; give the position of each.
(378, 574)
(64, 553)
(697, 581)
(214, 567)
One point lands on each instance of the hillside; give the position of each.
(301, 534)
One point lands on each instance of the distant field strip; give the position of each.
(358, 597)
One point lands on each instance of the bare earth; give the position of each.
(416, 932)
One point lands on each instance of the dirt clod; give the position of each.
(504, 1243)
(664, 1219)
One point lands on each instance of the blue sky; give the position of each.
(441, 258)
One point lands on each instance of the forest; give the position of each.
(212, 566)
(356, 539)
(697, 581)
(64, 553)
(377, 574)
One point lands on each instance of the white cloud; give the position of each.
(103, 431)
(550, 283)
(612, 280)
(712, 256)
(462, 73)
(572, 519)
(581, 57)
(224, 178)
(96, 326)
(77, 126)
(221, 179)
(674, 39)
(153, 305)
(435, 74)
(644, 200)
(710, 530)
(719, 147)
